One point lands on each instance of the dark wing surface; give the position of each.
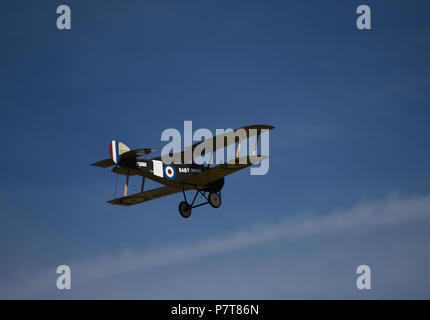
(137, 152)
(145, 196)
(222, 170)
(104, 163)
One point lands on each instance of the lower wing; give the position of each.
(145, 196)
(222, 170)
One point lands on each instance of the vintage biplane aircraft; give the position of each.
(205, 180)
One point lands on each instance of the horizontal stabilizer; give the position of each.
(137, 152)
(104, 163)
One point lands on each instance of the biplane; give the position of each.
(203, 179)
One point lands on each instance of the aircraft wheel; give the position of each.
(185, 209)
(214, 200)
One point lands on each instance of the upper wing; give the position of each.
(145, 196)
(222, 170)
(212, 145)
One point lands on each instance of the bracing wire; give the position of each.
(116, 185)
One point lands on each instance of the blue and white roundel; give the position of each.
(169, 171)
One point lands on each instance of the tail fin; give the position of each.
(119, 149)
(116, 149)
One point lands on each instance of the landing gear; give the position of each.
(214, 199)
(185, 209)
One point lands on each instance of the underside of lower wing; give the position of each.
(144, 196)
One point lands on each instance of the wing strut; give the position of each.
(143, 183)
(254, 152)
(126, 185)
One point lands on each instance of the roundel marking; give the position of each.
(169, 171)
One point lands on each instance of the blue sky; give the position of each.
(351, 114)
